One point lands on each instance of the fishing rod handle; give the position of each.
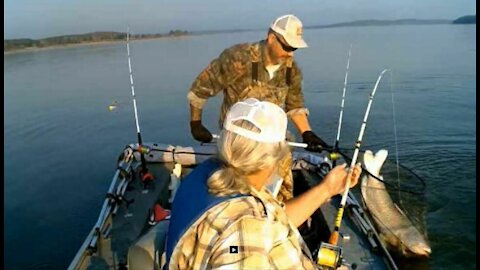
(338, 218)
(333, 240)
(294, 144)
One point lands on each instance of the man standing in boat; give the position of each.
(264, 70)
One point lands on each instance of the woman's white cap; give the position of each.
(269, 118)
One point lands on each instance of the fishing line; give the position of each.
(342, 105)
(396, 138)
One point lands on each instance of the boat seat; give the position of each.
(142, 255)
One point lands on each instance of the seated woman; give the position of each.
(224, 217)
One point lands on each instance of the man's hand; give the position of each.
(315, 144)
(199, 132)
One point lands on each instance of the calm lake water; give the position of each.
(61, 142)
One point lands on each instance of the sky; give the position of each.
(39, 19)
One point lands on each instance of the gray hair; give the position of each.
(241, 157)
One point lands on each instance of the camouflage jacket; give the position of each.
(232, 73)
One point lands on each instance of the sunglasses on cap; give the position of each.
(285, 47)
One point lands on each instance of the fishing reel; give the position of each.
(146, 176)
(144, 149)
(324, 167)
(126, 155)
(329, 256)
(333, 156)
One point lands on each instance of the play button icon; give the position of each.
(233, 249)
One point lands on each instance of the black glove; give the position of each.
(199, 132)
(315, 144)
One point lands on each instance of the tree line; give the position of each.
(16, 44)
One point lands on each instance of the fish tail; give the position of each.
(373, 163)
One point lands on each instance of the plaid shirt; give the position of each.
(250, 232)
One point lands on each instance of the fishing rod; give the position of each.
(329, 254)
(335, 147)
(144, 173)
(334, 236)
(293, 144)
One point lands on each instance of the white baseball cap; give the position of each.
(291, 29)
(269, 118)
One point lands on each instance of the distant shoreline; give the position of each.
(65, 41)
(73, 45)
(12, 46)
(35, 49)
(363, 23)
